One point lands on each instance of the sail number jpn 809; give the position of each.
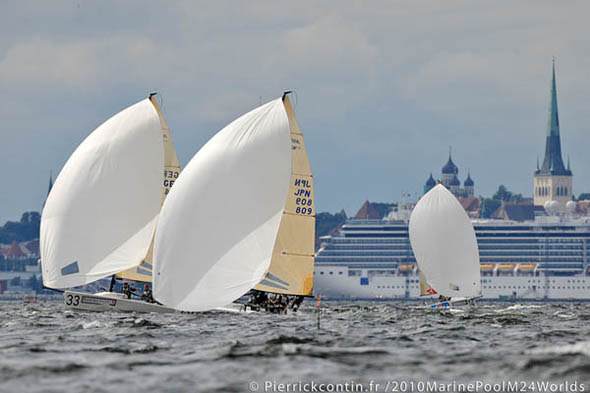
(303, 194)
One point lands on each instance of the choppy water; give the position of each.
(44, 348)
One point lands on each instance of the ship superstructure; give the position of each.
(371, 259)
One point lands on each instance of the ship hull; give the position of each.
(337, 282)
(110, 301)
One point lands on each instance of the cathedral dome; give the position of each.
(455, 181)
(450, 168)
(430, 181)
(468, 182)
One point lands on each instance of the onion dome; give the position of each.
(468, 182)
(455, 181)
(450, 168)
(430, 182)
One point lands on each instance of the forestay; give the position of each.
(444, 243)
(219, 223)
(100, 215)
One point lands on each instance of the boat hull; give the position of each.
(109, 301)
(451, 303)
(246, 308)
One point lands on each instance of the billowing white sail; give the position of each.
(444, 244)
(218, 225)
(101, 213)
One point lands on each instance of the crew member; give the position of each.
(297, 303)
(128, 290)
(147, 294)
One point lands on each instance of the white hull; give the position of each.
(110, 301)
(234, 308)
(334, 282)
(241, 308)
(454, 302)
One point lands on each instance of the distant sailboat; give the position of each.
(444, 243)
(240, 216)
(100, 216)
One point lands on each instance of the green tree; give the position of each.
(24, 230)
(326, 222)
(502, 194)
(383, 208)
(15, 281)
(584, 196)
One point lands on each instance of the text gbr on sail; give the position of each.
(169, 178)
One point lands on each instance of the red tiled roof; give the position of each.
(367, 212)
(470, 204)
(14, 251)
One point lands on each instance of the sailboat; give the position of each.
(445, 247)
(100, 217)
(240, 216)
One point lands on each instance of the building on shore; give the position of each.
(450, 180)
(552, 180)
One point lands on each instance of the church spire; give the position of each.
(553, 162)
(553, 121)
(50, 186)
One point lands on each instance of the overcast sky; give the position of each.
(382, 87)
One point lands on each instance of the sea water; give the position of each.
(364, 346)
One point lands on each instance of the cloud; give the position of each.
(382, 88)
(84, 64)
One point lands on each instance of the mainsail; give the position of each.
(143, 271)
(100, 215)
(444, 243)
(219, 223)
(291, 266)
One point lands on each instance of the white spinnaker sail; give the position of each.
(101, 213)
(444, 244)
(219, 223)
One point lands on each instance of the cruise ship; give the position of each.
(373, 259)
(536, 250)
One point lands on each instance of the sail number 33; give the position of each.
(72, 300)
